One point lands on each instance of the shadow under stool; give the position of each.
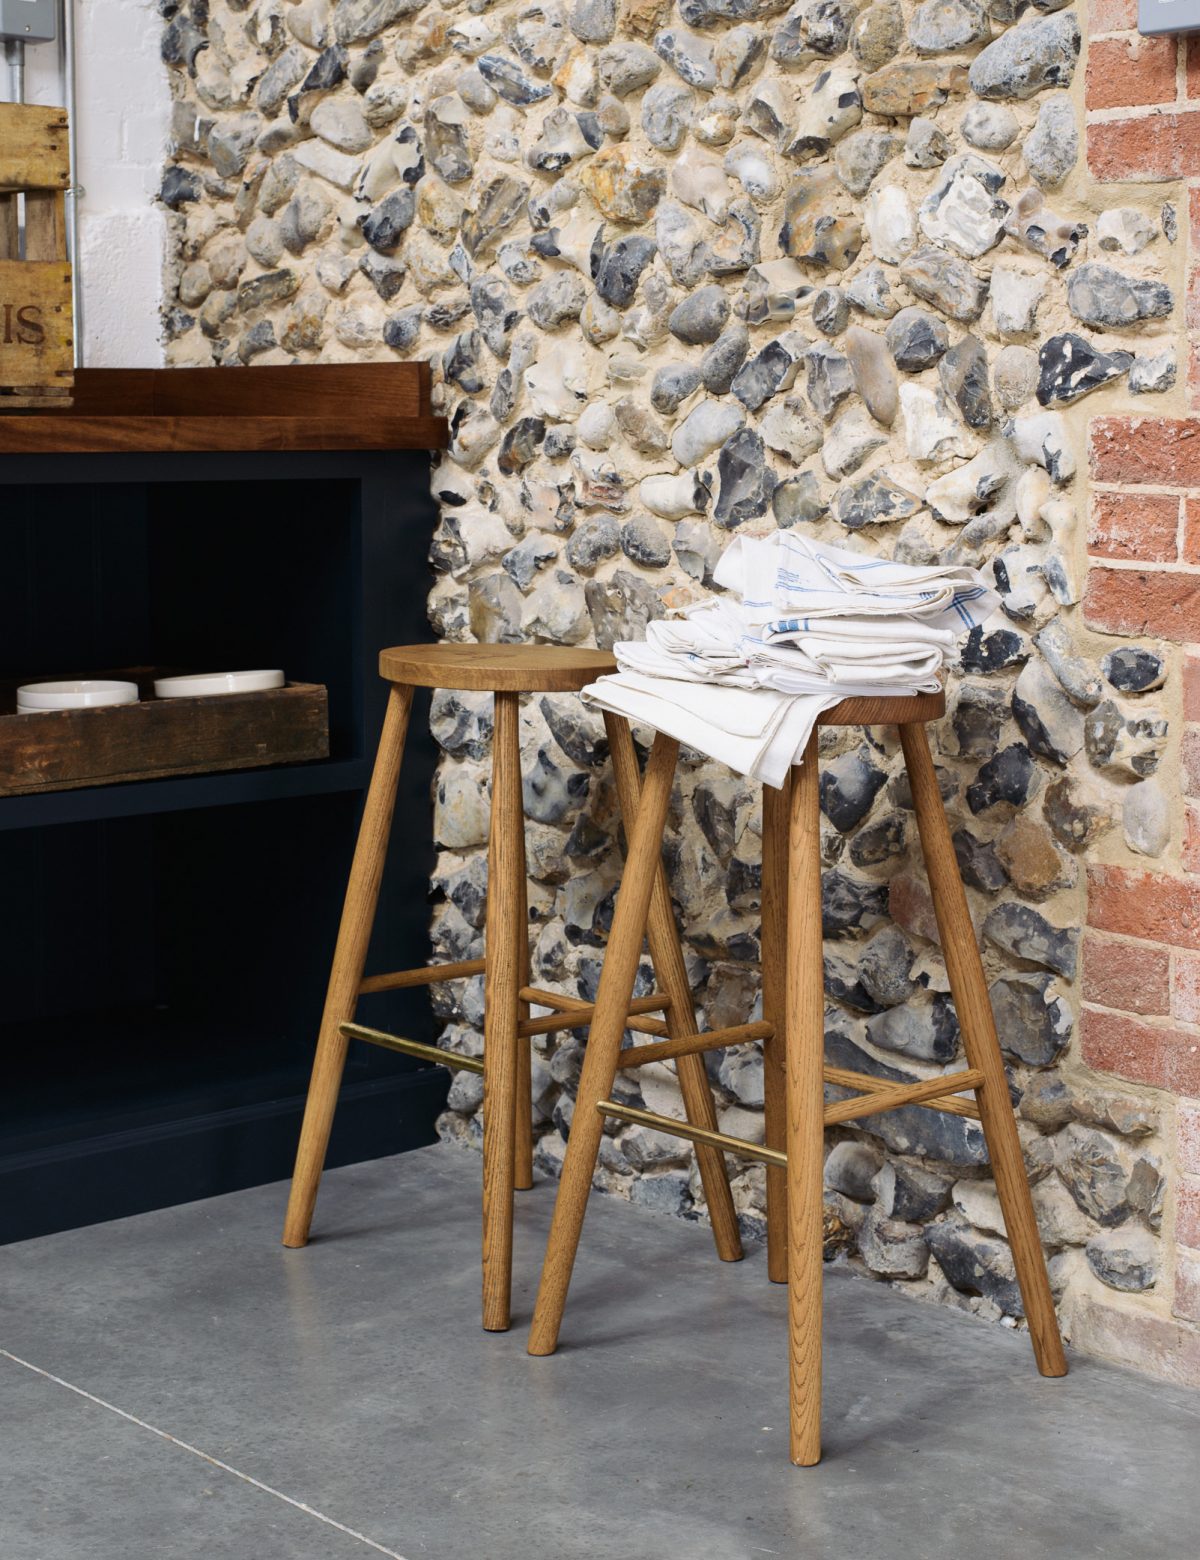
(507, 672)
(795, 1074)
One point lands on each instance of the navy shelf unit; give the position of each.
(164, 944)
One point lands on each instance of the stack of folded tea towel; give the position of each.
(744, 677)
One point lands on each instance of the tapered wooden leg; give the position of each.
(671, 978)
(776, 811)
(349, 959)
(604, 1042)
(968, 985)
(804, 1028)
(523, 1087)
(504, 947)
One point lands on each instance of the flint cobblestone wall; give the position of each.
(715, 266)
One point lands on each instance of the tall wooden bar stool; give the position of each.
(793, 1034)
(507, 671)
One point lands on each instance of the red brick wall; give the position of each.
(1141, 965)
(1159, 80)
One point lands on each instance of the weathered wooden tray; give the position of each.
(156, 738)
(36, 328)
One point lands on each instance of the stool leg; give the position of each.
(504, 947)
(604, 1042)
(523, 1086)
(776, 810)
(349, 960)
(975, 1018)
(671, 978)
(805, 1031)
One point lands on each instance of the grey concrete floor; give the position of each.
(179, 1385)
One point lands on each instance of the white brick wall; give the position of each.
(122, 116)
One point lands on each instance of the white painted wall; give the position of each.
(122, 115)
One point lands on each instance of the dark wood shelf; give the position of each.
(45, 435)
(319, 406)
(144, 798)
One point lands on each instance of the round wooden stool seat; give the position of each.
(900, 710)
(495, 668)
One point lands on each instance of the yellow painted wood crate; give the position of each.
(36, 330)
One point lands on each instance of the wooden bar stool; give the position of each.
(507, 671)
(793, 1043)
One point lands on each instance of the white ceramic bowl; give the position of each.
(203, 684)
(87, 694)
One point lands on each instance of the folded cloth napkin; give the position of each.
(681, 666)
(746, 680)
(841, 664)
(790, 573)
(756, 732)
(704, 646)
(873, 631)
(714, 642)
(786, 671)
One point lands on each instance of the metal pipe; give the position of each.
(14, 53)
(406, 1047)
(685, 1129)
(73, 189)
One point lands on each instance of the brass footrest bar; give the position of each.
(684, 1129)
(947, 1103)
(574, 1013)
(427, 1053)
(930, 1093)
(924, 1093)
(688, 1045)
(426, 975)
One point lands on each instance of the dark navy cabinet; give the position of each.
(164, 944)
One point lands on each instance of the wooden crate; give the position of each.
(67, 749)
(36, 329)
